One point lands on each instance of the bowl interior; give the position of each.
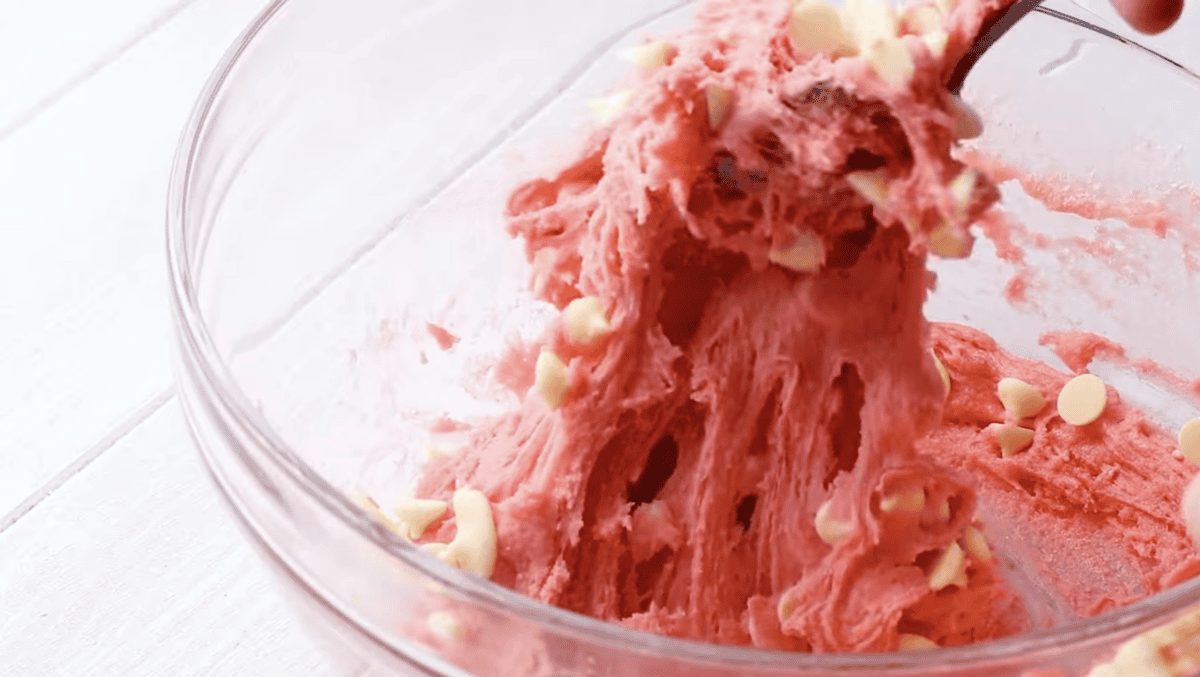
(353, 201)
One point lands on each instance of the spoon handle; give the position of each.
(993, 27)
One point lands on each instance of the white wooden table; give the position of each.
(116, 557)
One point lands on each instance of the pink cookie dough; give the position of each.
(675, 490)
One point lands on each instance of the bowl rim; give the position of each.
(194, 338)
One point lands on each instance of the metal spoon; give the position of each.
(994, 26)
(989, 32)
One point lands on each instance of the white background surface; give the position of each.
(116, 557)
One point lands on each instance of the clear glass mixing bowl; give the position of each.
(341, 184)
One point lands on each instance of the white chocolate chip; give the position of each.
(805, 255)
(586, 321)
(435, 548)
(1020, 399)
(717, 99)
(967, 123)
(437, 451)
(916, 643)
(553, 382)
(606, 109)
(1170, 650)
(1139, 657)
(977, 545)
(912, 500)
(891, 61)
(650, 56)
(951, 569)
(942, 371)
(923, 19)
(872, 185)
(961, 188)
(869, 21)
(936, 41)
(416, 514)
(444, 625)
(926, 22)
(830, 530)
(541, 260)
(944, 509)
(1011, 438)
(1189, 440)
(787, 606)
(948, 242)
(816, 28)
(474, 546)
(1082, 399)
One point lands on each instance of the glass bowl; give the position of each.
(338, 195)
